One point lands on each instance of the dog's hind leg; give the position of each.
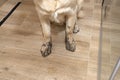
(80, 14)
(76, 28)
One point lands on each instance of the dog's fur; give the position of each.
(58, 11)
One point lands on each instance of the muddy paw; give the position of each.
(76, 29)
(46, 49)
(70, 45)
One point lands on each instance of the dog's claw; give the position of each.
(46, 49)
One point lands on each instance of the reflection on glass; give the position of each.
(110, 40)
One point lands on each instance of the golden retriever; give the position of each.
(58, 11)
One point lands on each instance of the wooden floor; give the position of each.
(21, 39)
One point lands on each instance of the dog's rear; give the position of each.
(58, 11)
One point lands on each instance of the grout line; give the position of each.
(90, 40)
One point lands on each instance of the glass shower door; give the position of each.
(110, 41)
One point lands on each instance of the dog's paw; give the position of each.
(70, 45)
(46, 49)
(76, 29)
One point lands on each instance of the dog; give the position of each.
(58, 11)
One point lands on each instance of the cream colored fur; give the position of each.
(53, 8)
(59, 11)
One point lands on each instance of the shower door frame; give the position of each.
(104, 5)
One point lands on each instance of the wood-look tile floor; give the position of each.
(21, 39)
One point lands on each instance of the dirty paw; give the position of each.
(70, 45)
(46, 49)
